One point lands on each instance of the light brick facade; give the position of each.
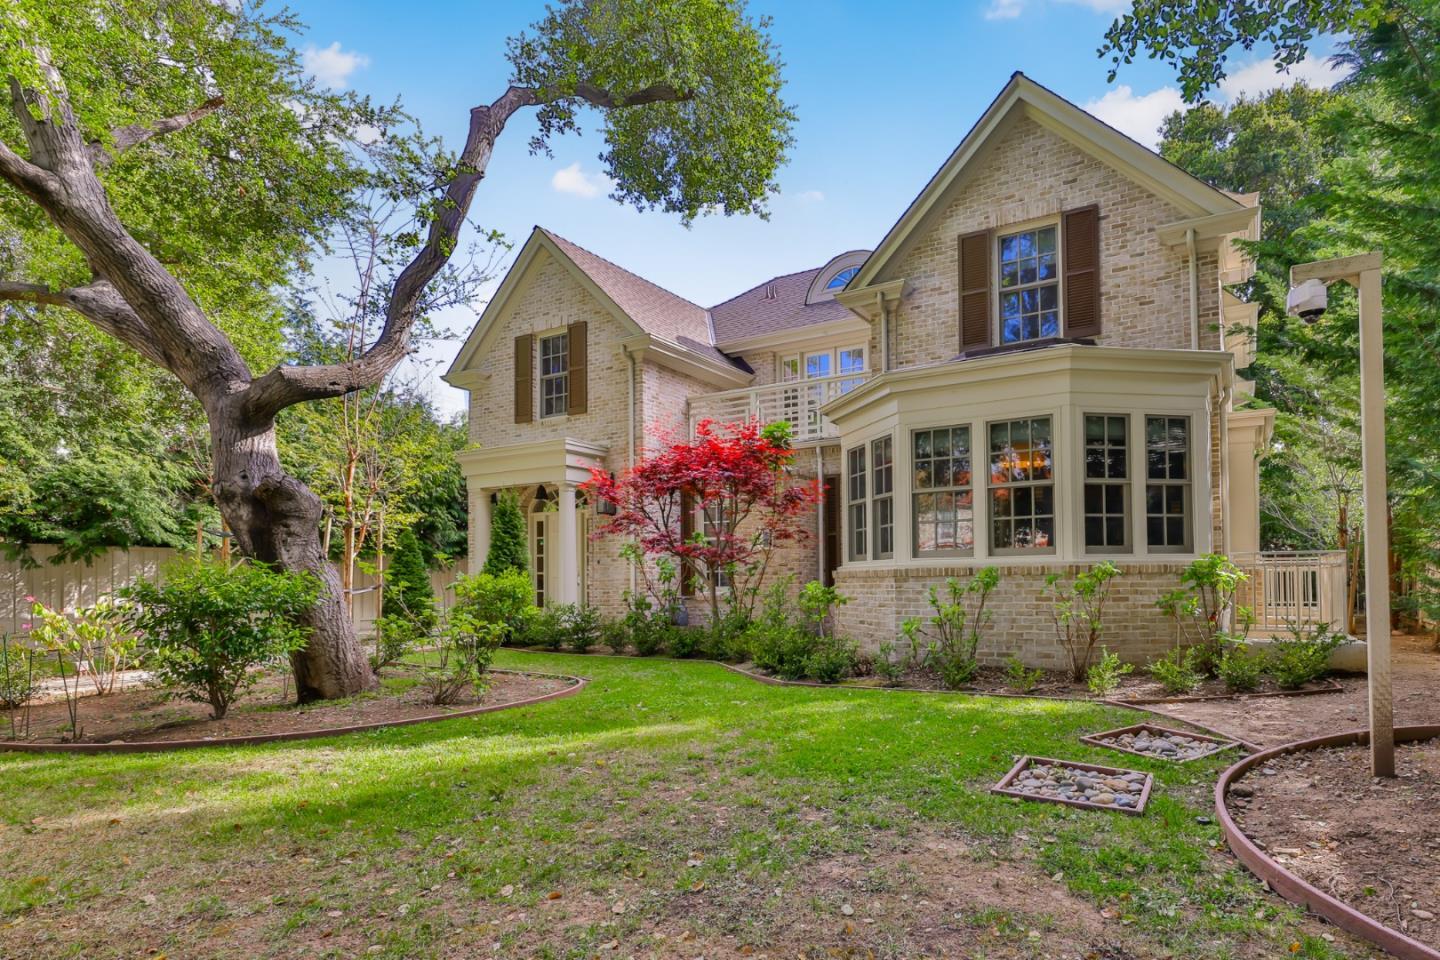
(1028, 173)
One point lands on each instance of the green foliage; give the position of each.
(507, 537)
(817, 604)
(1303, 657)
(1204, 608)
(564, 626)
(1178, 671)
(1078, 612)
(718, 147)
(19, 681)
(888, 664)
(101, 637)
(948, 642)
(1240, 669)
(505, 599)
(1019, 677)
(1104, 677)
(615, 635)
(794, 649)
(463, 654)
(395, 636)
(648, 627)
(408, 594)
(207, 626)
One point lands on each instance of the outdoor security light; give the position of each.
(1307, 300)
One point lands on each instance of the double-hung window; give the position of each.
(855, 500)
(1167, 484)
(554, 375)
(882, 476)
(944, 497)
(1022, 486)
(1029, 285)
(1107, 483)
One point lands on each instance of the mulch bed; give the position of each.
(147, 715)
(1373, 844)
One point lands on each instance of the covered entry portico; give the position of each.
(547, 474)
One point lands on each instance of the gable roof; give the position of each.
(774, 306)
(1189, 194)
(640, 306)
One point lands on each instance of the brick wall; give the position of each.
(1027, 173)
(880, 599)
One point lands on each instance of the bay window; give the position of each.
(943, 499)
(882, 460)
(1022, 486)
(1107, 483)
(855, 500)
(1167, 484)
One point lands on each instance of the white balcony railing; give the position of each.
(798, 403)
(1307, 588)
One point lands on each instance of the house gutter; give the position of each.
(630, 431)
(1194, 290)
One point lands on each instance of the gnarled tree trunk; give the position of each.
(276, 519)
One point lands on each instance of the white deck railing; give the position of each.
(1285, 587)
(798, 403)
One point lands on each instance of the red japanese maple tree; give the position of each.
(718, 504)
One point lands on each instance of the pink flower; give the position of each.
(29, 599)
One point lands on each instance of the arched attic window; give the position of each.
(832, 278)
(838, 281)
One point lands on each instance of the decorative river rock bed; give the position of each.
(1161, 743)
(1076, 784)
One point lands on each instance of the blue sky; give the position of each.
(883, 94)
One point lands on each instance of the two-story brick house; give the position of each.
(1034, 368)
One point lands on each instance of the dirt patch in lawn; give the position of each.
(1372, 843)
(144, 714)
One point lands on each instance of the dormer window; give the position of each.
(838, 281)
(1029, 286)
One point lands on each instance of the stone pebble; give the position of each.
(1057, 781)
(1163, 745)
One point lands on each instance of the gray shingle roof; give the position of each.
(656, 310)
(773, 306)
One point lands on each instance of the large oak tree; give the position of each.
(132, 120)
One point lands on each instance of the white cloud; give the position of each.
(1004, 9)
(577, 182)
(1260, 77)
(810, 196)
(1138, 116)
(331, 66)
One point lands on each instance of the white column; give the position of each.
(480, 519)
(567, 556)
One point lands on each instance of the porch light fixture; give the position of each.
(1308, 300)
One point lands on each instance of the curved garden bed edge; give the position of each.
(1291, 886)
(574, 686)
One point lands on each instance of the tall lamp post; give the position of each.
(1307, 300)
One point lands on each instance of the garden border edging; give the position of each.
(1292, 887)
(575, 685)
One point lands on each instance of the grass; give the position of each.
(670, 809)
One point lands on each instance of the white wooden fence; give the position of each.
(78, 584)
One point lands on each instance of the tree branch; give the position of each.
(132, 135)
(285, 386)
(101, 304)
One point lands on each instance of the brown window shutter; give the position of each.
(579, 358)
(524, 378)
(975, 289)
(1080, 253)
(687, 530)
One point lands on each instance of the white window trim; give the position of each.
(1056, 489)
(799, 358)
(1191, 484)
(540, 376)
(997, 324)
(1129, 549)
(914, 492)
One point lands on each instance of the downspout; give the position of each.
(630, 434)
(1194, 290)
(820, 515)
(884, 332)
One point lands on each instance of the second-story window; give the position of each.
(554, 375)
(1029, 285)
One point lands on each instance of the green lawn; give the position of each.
(670, 809)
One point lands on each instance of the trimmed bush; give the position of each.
(506, 599)
(507, 538)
